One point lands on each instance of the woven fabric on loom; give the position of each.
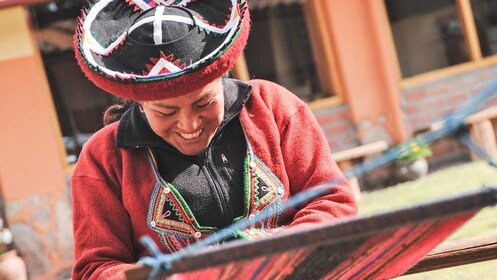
(380, 256)
(380, 246)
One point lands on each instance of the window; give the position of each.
(79, 104)
(428, 34)
(485, 15)
(435, 34)
(279, 50)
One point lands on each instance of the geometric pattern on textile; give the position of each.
(378, 246)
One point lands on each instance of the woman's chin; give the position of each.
(191, 147)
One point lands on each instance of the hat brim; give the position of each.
(158, 88)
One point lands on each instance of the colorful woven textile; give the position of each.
(380, 246)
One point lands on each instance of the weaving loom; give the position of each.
(379, 246)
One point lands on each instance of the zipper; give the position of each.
(224, 205)
(232, 177)
(224, 159)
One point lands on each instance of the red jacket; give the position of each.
(112, 188)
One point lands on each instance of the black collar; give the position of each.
(134, 131)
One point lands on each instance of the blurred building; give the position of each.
(370, 71)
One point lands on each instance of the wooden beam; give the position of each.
(480, 116)
(459, 252)
(361, 151)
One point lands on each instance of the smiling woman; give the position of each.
(190, 151)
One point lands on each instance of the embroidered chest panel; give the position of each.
(170, 216)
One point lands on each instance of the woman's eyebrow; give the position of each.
(164, 106)
(208, 95)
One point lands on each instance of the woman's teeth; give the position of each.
(190, 136)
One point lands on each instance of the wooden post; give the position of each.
(483, 134)
(482, 131)
(240, 69)
(348, 158)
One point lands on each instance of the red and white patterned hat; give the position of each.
(157, 49)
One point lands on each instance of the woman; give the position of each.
(195, 152)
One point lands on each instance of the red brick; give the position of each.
(342, 115)
(458, 98)
(349, 140)
(422, 121)
(485, 76)
(411, 110)
(337, 129)
(435, 104)
(333, 143)
(416, 95)
(440, 90)
(325, 119)
(446, 111)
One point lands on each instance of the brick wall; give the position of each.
(422, 104)
(431, 102)
(337, 127)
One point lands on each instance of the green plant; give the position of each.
(414, 150)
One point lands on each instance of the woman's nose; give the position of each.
(188, 121)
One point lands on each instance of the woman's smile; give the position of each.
(190, 136)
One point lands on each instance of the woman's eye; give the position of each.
(202, 106)
(165, 114)
(208, 102)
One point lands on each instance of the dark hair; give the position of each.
(114, 112)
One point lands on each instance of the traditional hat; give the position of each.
(157, 49)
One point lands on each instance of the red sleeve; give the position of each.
(102, 229)
(308, 162)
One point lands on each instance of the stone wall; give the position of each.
(42, 232)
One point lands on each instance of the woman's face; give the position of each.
(188, 122)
